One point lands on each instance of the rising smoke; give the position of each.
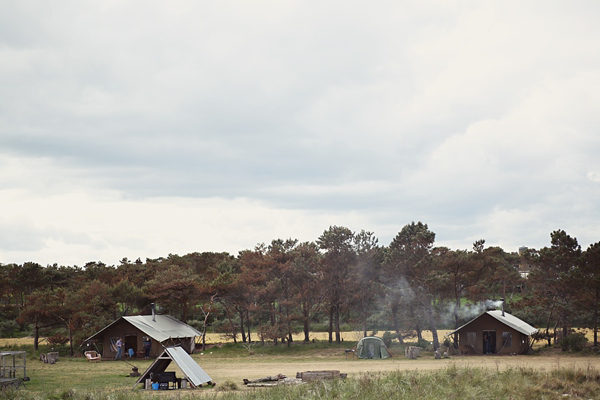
(469, 311)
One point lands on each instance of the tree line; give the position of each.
(342, 279)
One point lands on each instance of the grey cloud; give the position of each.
(399, 111)
(19, 234)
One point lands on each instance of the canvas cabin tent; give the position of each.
(372, 347)
(163, 331)
(192, 372)
(494, 332)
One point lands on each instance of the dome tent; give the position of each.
(372, 347)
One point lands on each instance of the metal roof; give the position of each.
(507, 319)
(159, 327)
(190, 368)
(163, 327)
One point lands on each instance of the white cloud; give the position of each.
(95, 225)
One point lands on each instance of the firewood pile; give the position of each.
(301, 377)
(269, 381)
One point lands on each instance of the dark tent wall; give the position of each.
(132, 338)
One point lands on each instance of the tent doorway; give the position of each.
(130, 343)
(489, 342)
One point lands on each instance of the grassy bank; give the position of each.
(448, 383)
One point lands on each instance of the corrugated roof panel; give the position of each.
(507, 319)
(163, 327)
(512, 321)
(188, 366)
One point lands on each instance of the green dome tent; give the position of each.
(372, 347)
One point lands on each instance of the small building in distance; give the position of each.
(524, 267)
(494, 332)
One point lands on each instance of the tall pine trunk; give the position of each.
(596, 317)
(248, 325)
(331, 324)
(306, 326)
(36, 336)
(338, 337)
(242, 326)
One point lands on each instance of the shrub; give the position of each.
(424, 344)
(387, 338)
(8, 328)
(574, 342)
(447, 342)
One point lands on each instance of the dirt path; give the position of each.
(223, 369)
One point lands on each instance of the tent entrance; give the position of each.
(130, 343)
(489, 342)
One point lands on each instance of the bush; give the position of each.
(447, 342)
(8, 328)
(424, 344)
(387, 338)
(574, 342)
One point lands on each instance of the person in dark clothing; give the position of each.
(487, 344)
(147, 346)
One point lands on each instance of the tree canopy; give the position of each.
(342, 279)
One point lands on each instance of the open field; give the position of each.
(234, 363)
(229, 364)
(236, 369)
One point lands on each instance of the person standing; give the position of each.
(147, 346)
(486, 344)
(119, 349)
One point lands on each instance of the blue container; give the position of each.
(155, 386)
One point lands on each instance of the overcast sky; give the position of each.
(143, 128)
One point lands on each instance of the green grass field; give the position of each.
(548, 374)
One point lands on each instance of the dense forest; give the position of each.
(343, 280)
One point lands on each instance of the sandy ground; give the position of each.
(221, 369)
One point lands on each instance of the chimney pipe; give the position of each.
(502, 300)
(153, 313)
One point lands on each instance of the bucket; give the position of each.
(155, 386)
